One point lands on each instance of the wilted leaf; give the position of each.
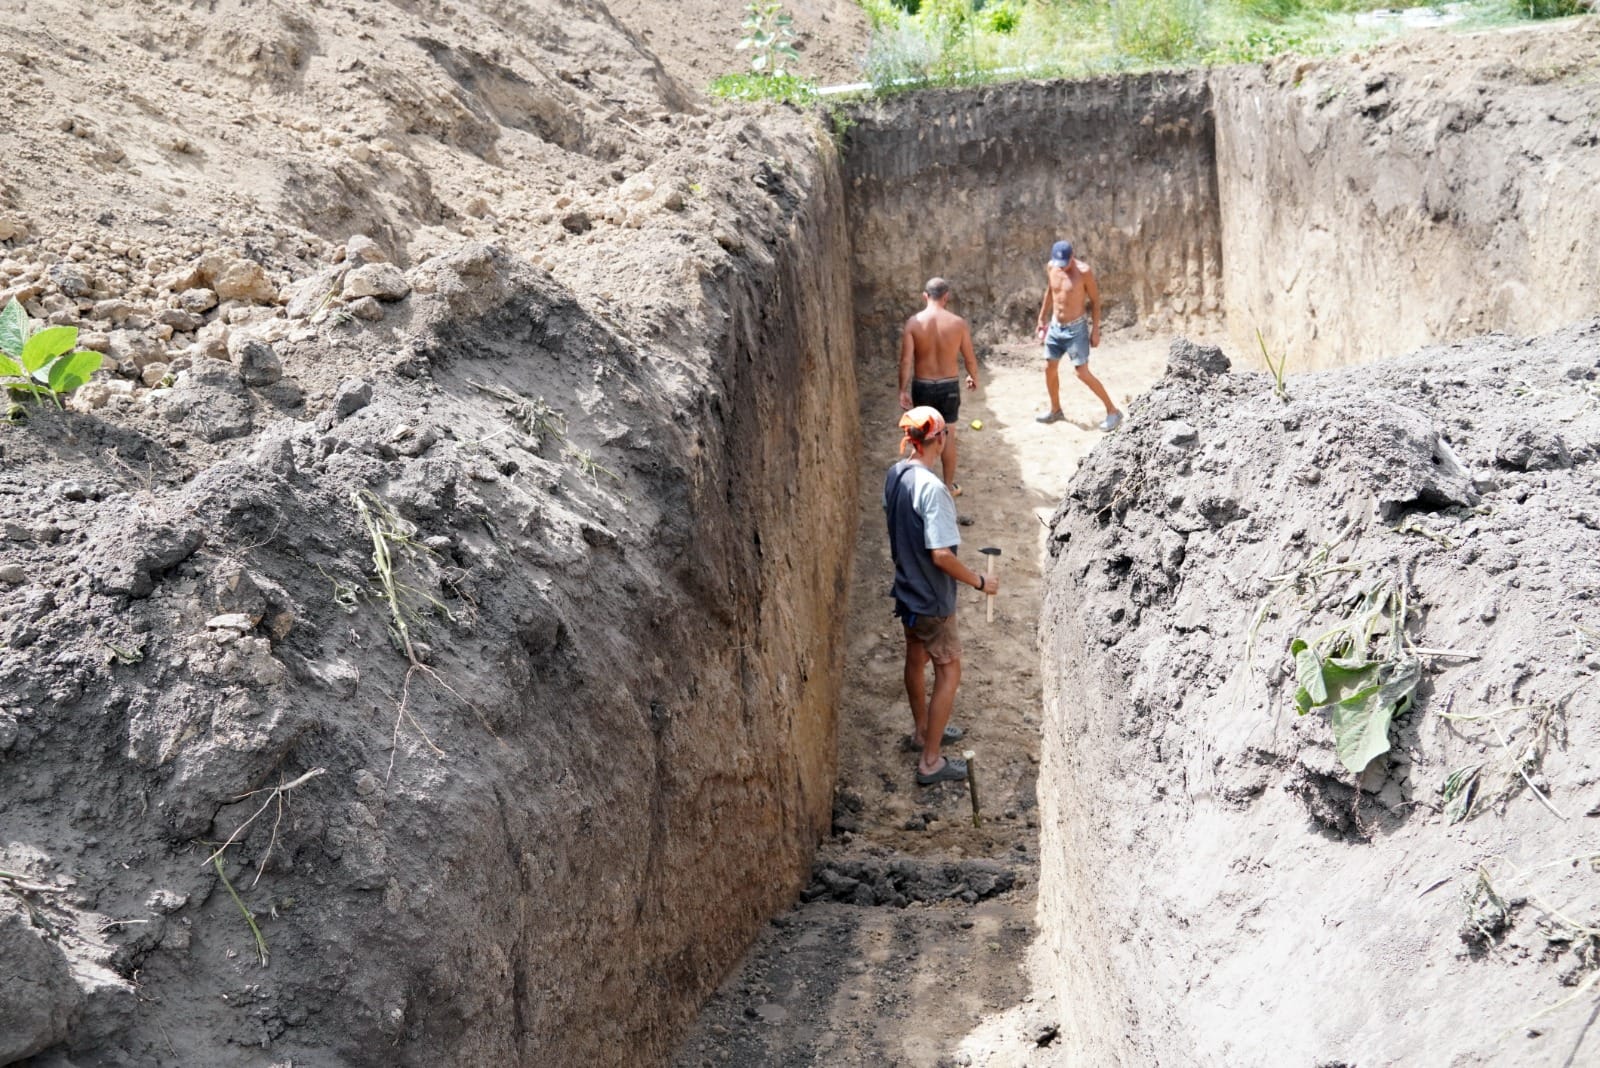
(1308, 673)
(1360, 720)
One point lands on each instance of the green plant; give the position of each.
(45, 363)
(591, 468)
(1360, 671)
(1547, 9)
(1157, 31)
(1277, 368)
(1003, 17)
(785, 88)
(769, 37)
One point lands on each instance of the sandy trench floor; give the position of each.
(830, 983)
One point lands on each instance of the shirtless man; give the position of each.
(929, 345)
(1069, 286)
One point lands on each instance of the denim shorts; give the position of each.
(1070, 337)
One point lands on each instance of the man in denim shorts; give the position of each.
(923, 540)
(1071, 308)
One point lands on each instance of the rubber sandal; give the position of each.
(955, 489)
(949, 771)
(1050, 417)
(952, 734)
(1112, 421)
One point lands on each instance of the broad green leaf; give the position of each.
(744, 43)
(46, 345)
(758, 62)
(1302, 701)
(1308, 673)
(13, 328)
(1361, 721)
(11, 367)
(72, 371)
(787, 51)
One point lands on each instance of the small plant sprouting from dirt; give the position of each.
(769, 37)
(42, 363)
(1276, 366)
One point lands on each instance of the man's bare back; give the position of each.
(937, 338)
(931, 343)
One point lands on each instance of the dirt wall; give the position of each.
(975, 185)
(618, 541)
(1374, 203)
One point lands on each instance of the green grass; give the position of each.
(950, 42)
(782, 88)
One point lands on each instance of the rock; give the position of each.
(673, 201)
(639, 187)
(257, 362)
(236, 278)
(382, 280)
(211, 342)
(13, 574)
(310, 295)
(1532, 448)
(114, 310)
(197, 301)
(134, 349)
(362, 249)
(1187, 360)
(238, 621)
(153, 374)
(13, 228)
(71, 279)
(577, 222)
(38, 997)
(1177, 432)
(366, 308)
(352, 396)
(94, 341)
(186, 321)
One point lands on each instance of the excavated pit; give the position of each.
(563, 861)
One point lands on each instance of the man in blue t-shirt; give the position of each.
(923, 540)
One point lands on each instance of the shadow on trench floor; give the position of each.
(911, 945)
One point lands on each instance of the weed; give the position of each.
(43, 363)
(1276, 367)
(249, 917)
(1157, 31)
(784, 88)
(591, 468)
(1512, 767)
(1547, 9)
(394, 543)
(536, 418)
(1361, 672)
(769, 37)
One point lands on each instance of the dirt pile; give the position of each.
(439, 550)
(1217, 884)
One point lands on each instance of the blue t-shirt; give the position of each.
(922, 517)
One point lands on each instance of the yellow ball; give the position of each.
(977, 424)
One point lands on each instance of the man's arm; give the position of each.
(968, 356)
(908, 351)
(1091, 295)
(1044, 309)
(951, 565)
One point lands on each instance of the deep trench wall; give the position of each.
(633, 760)
(975, 184)
(1370, 206)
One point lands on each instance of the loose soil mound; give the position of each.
(1218, 887)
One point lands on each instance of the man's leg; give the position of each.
(948, 460)
(1087, 378)
(1052, 383)
(946, 677)
(916, 686)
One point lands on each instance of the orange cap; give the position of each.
(919, 424)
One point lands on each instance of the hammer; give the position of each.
(991, 552)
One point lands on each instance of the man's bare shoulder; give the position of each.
(1084, 267)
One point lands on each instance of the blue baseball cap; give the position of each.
(1061, 253)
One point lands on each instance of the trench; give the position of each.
(1237, 207)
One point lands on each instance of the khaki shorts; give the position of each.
(939, 635)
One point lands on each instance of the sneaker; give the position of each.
(1112, 421)
(1050, 417)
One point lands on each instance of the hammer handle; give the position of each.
(988, 574)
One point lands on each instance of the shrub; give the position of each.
(1157, 31)
(1548, 9)
(1003, 17)
(46, 363)
(898, 55)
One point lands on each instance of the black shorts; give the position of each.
(943, 394)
